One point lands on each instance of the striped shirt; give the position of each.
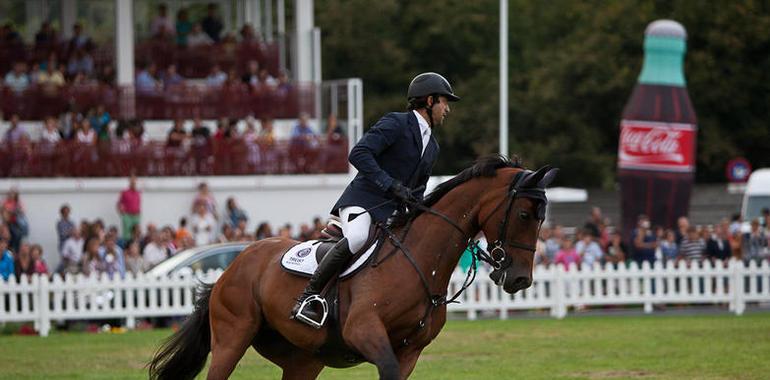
(692, 250)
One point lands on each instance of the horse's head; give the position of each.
(510, 219)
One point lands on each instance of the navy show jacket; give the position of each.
(389, 151)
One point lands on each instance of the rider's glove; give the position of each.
(401, 192)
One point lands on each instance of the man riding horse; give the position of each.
(394, 157)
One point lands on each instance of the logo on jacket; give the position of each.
(303, 252)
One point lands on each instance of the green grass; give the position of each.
(649, 347)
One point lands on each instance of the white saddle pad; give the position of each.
(301, 259)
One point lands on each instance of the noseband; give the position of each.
(496, 257)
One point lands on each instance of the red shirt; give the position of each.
(131, 201)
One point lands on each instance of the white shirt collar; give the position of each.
(424, 127)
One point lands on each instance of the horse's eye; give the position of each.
(523, 215)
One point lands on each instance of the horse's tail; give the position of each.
(183, 355)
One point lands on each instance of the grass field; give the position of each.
(649, 347)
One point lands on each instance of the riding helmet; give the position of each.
(427, 84)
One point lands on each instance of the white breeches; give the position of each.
(356, 230)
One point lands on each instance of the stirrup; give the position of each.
(324, 307)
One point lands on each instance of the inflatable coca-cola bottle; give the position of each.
(656, 154)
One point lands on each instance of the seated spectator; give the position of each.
(106, 75)
(228, 234)
(134, 260)
(198, 38)
(251, 77)
(67, 123)
(182, 232)
(283, 86)
(112, 256)
(251, 139)
(266, 134)
(265, 82)
(92, 263)
(211, 24)
(754, 242)
(203, 225)
(37, 259)
(78, 40)
(303, 134)
(52, 78)
(80, 62)
(335, 135)
(81, 80)
(46, 36)
(85, 135)
(216, 77)
(72, 252)
(249, 37)
(567, 255)
(617, 252)
(34, 74)
(171, 77)
(50, 135)
(692, 247)
(162, 24)
(183, 27)
(17, 79)
(177, 135)
(146, 80)
(155, 251)
(234, 213)
(718, 246)
(167, 240)
(15, 132)
(23, 265)
(100, 122)
(6, 260)
(263, 231)
(589, 249)
(668, 248)
(645, 241)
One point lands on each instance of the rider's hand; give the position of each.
(401, 192)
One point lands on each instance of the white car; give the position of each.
(204, 258)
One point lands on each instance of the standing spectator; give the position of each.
(263, 231)
(216, 77)
(228, 234)
(6, 260)
(162, 25)
(15, 132)
(718, 246)
(64, 226)
(692, 247)
(754, 243)
(130, 207)
(682, 225)
(68, 123)
(92, 264)
(154, 251)
(78, 40)
(567, 255)
(589, 249)
(183, 27)
(134, 260)
(203, 225)
(645, 241)
(182, 232)
(764, 220)
(201, 144)
(594, 221)
(211, 23)
(235, 214)
(17, 79)
(205, 198)
(167, 240)
(46, 36)
(72, 252)
(100, 121)
(23, 263)
(37, 259)
(669, 250)
(617, 252)
(13, 214)
(198, 38)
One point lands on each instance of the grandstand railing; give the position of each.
(120, 158)
(40, 299)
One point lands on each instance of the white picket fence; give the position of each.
(42, 300)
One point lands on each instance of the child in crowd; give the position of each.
(567, 254)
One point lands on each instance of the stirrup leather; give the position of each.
(324, 307)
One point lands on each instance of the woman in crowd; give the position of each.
(37, 258)
(92, 263)
(134, 260)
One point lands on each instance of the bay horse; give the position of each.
(391, 309)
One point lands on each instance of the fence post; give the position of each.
(43, 305)
(559, 308)
(739, 305)
(647, 285)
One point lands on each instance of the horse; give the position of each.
(389, 311)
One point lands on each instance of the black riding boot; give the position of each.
(328, 267)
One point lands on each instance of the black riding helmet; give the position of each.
(427, 84)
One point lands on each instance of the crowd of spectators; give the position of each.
(597, 242)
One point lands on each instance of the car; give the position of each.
(203, 258)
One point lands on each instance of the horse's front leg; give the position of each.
(367, 335)
(407, 360)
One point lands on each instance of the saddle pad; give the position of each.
(301, 259)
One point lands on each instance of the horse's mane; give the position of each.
(485, 166)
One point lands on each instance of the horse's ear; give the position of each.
(549, 176)
(533, 179)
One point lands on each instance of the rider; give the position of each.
(393, 157)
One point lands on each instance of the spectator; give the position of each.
(216, 77)
(251, 139)
(52, 78)
(183, 27)
(589, 249)
(201, 143)
(249, 37)
(46, 36)
(617, 252)
(182, 232)
(764, 220)
(146, 80)
(682, 225)
(335, 135)
(13, 214)
(265, 82)
(167, 240)
(567, 255)
(37, 259)
(78, 40)
(240, 231)
(263, 231)
(234, 213)
(23, 263)
(171, 77)
(6, 260)
(211, 23)
(34, 74)
(198, 38)
(251, 77)
(67, 123)
(669, 250)
(228, 234)
(284, 86)
(177, 135)
(303, 133)
(162, 25)
(85, 134)
(17, 79)
(100, 121)
(134, 260)
(540, 257)
(80, 63)
(64, 226)
(154, 252)
(130, 207)
(203, 224)
(15, 132)
(205, 198)
(285, 232)
(754, 242)
(92, 263)
(645, 241)
(50, 135)
(692, 247)
(594, 221)
(112, 257)
(718, 246)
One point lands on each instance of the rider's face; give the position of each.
(440, 110)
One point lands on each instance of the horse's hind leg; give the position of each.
(369, 337)
(296, 364)
(233, 326)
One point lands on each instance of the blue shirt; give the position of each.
(6, 265)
